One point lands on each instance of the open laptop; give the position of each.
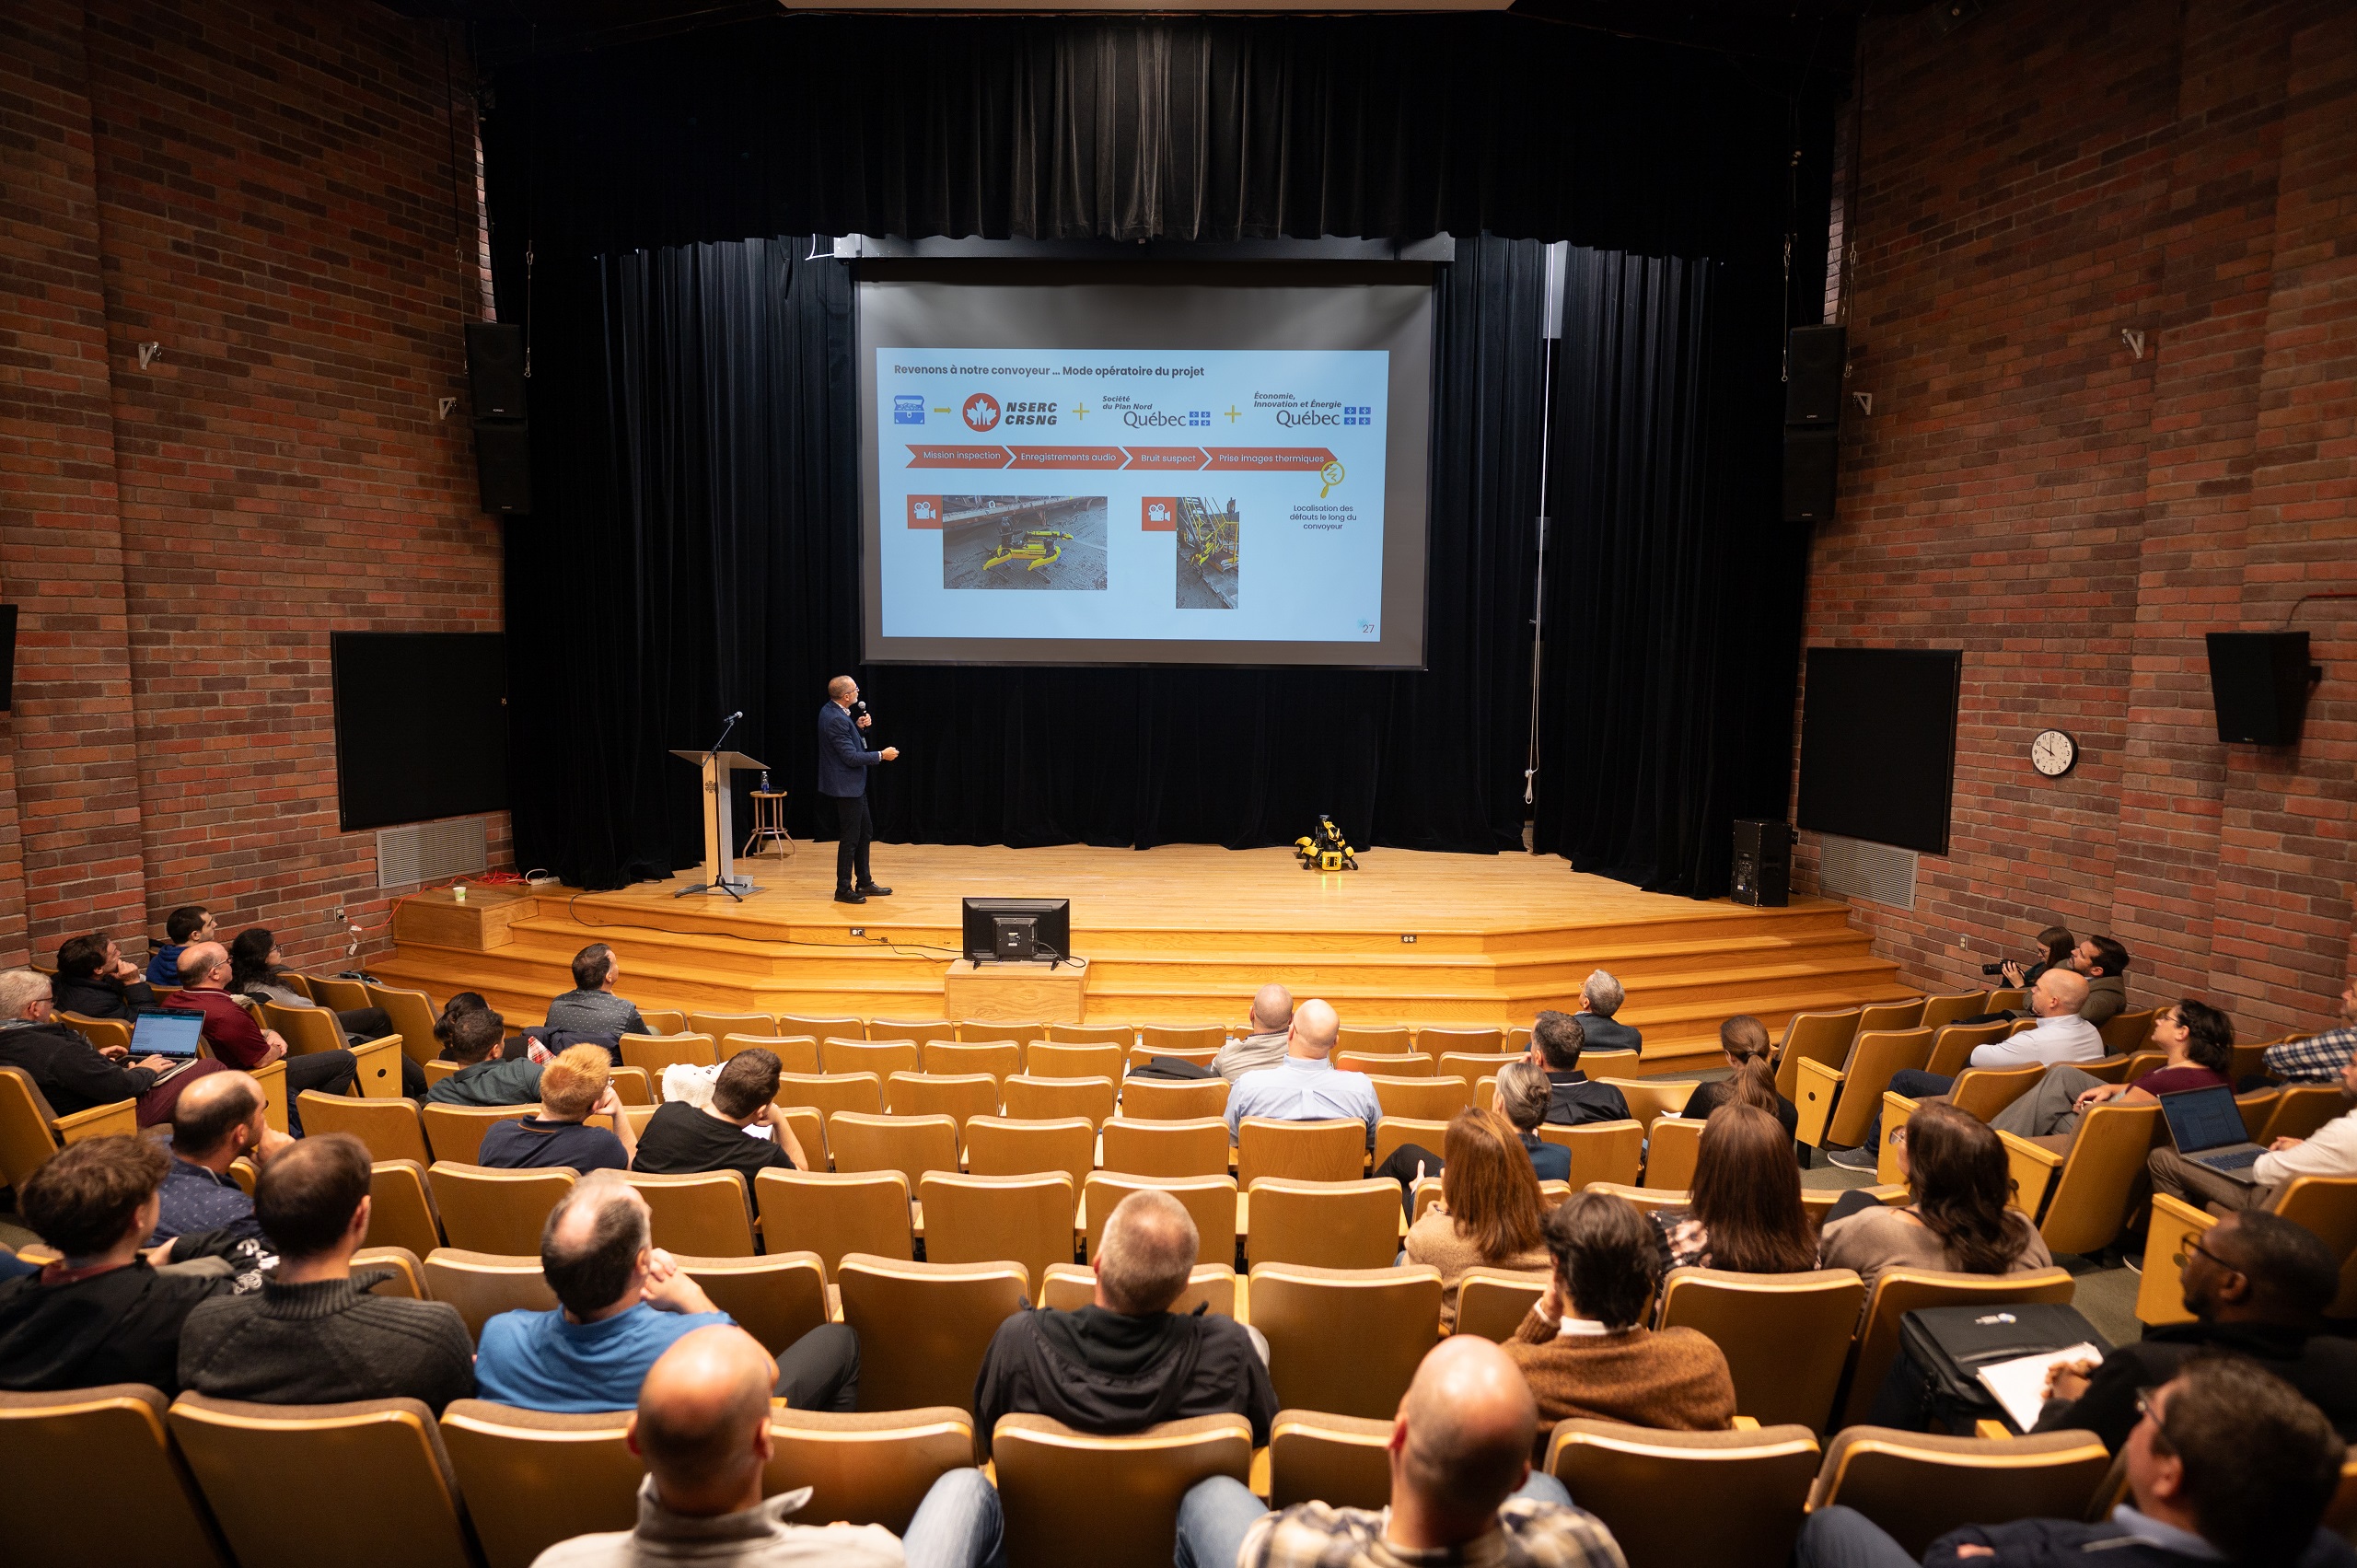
(2207, 1126)
(165, 1034)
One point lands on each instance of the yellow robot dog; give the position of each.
(1325, 848)
(1040, 546)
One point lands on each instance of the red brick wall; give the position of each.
(2075, 518)
(268, 192)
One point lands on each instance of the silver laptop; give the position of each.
(2207, 1126)
(167, 1034)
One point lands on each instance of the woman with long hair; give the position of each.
(1957, 1220)
(1490, 1214)
(1744, 1212)
(1743, 1038)
(257, 970)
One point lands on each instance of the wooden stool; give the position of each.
(769, 823)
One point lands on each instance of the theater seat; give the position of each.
(708, 1213)
(835, 1212)
(1068, 1287)
(1900, 1291)
(866, 1467)
(536, 1479)
(1326, 1225)
(1107, 1501)
(1601, 1151)
(455, 1132)
(1342, 1460)
(481, 1285)
(1673, 1499)
(96, 1480)
(390, 1127)
(909, 1145)
(1196, 1146)
(1007, 1145)
(1161, 1100)
(484, 1210)
(1346, 1340)
(1785, 1336)
(374, 1488)
(924, 1327)
(1031, 1096)
(776, 1298)
(401, 1208)
(1332, 1150)
(1493, 1302)
(981, 1219)
(1919, 1486)
(1210, 1202)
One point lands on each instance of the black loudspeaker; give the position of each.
(1763, 863)
(2258, 682)
(495, 369)
(1813, 361)
(7, 656)
(503, 464)
(1810, 468)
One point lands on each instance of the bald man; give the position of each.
(217, 1120)
(702, 1429)
(843, 762)
(1306, 1086)
(238, 1041)
(1461, 1484)
(1127, 1361)
(1265, 1046)
(2060, 1036)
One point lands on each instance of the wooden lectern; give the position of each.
(719, 829)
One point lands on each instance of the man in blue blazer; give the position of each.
(844, 762)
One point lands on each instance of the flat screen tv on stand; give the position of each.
(1004, 931)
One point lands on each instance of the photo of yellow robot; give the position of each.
(1209, 549)
(1018, 542)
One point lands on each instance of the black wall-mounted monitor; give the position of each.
(421, 726)
(1049, 931)
(1878, 744)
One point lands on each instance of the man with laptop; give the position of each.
(73, 1075)
(2210, 1160)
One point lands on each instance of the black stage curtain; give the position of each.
(1189, 128)
(694, 543)
(694, 550)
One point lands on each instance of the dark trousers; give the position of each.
(854, 831)
(1915, 1084)
(820, 1370)
(363, 1024)
(1399, 1166)
(330, 1071)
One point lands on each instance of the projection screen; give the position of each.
(1145, 463)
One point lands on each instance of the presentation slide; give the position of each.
(1222, 489)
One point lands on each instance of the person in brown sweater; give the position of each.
(1584, 1347)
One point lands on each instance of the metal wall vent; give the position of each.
(1856, 869)
(430, 851)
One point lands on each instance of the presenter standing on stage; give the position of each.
(844, 762)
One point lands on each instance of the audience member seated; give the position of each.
(1490, 1215)
(95, 980)
(2103, 963)
(1584, 1346)
(1744, 1212)
(591, 1006)
(2320, 1058)
(622, 1304)
(2227, 1463)
(2331, 1152)
(1521, 1095)
(1265, 1046)
(472, 1036)
(2257, 1286)
(104, 1314)
(2199, 1040)
(1556, 1041)
(1306, 1087)
(72, 1073)
(1126, 1361)
(1743, 1038)
(2056, 942)
(1957, 1220)
(683, 1139)
(703, 1428)
(189, 922)
(575, 1085)
(314, 1335)
(1462, 1490)
(238, 1041)
(204, 1212)
(256, 968)
(2060, 1037)
(1600, 999)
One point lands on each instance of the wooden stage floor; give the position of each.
(1181, 934)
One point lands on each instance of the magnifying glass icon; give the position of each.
(1333, 475)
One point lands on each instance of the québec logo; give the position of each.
(982, 412)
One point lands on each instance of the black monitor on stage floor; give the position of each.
(1014, 930)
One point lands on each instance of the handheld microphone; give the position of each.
(859, 709)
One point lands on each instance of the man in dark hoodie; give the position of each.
(1127, 1361)
(2256, 1284)
(103, 1315)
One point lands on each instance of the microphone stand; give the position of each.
(734, 896)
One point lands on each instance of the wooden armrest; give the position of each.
(1815, 1088)
(2037, 1154)
(1995, 1431)
(1743, 1424)
(379, 1064)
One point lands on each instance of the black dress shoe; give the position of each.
(872, 891)
(849, 897)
